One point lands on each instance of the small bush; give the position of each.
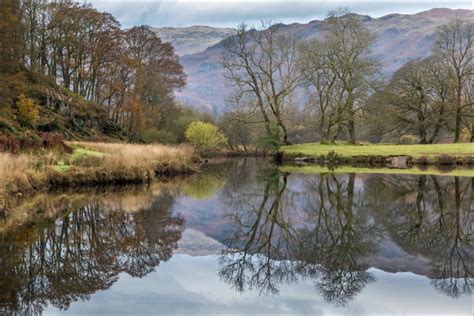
(332, 156)
(32, 141)
(9, 144)
(154, 135)
(166, 137)
(151, 135)
(205, 136)
(408, 139)
(28, 110)
(6, 127)
(465, 135)
(273, 138)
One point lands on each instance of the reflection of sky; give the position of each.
(231, 12)
(191, 285)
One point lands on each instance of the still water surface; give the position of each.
(240, 237)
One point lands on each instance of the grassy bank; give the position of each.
(429, 152)
(92, 164)
(315, 169)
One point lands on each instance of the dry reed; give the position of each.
(99, 163)
(146, 157)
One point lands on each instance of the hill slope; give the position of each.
(400, 38)
(59, 112)
(192, 39)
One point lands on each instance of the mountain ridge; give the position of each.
(400, 39)
(192, 39)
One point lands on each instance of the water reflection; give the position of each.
(433, 217)
(328, 229)
(325, 241)
(84, 251)
(275, 228)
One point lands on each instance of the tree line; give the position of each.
(133, 75)
(131, 72)
(340, 83)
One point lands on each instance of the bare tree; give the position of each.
(348, 45)
(325, 89)
(415, 100)
(261, 66)
(455, 43)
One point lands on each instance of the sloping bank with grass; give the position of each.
(431, 170)
(442, 154)
(92, 164)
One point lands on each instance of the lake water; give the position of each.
(241, 237)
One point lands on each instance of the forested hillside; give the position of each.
(69, 69)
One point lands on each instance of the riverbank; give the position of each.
(429, 154)
(429, 171)
(92, 164)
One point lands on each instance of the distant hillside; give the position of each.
(193, 39)
(400, 38)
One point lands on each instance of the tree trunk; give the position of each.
(285, 133)
(352, 133)
(457, 131)
(351, 123)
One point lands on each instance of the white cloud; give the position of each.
(231, 13)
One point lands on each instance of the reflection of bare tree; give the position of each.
(431, 216)
(272, 246)
(85, 251)
(342, 237)
(261, 240)
(457, 263)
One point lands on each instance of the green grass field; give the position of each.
(346, 150)
(315, 169)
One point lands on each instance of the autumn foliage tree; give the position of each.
(27, 110)
(11, 40)
(132, 73)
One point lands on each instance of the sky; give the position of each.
(230, 13)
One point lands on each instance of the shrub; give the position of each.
(6, 127)
(465, 135)
(9, 144)
(166, 137)
(205, 136)
(151, 135)
(272, 139)
(408, 139)
(27, 110)
(154, 135)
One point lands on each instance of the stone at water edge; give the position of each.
(398, 162)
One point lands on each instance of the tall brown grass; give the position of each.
(17, 171)
(105, 164)
(161, 159)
